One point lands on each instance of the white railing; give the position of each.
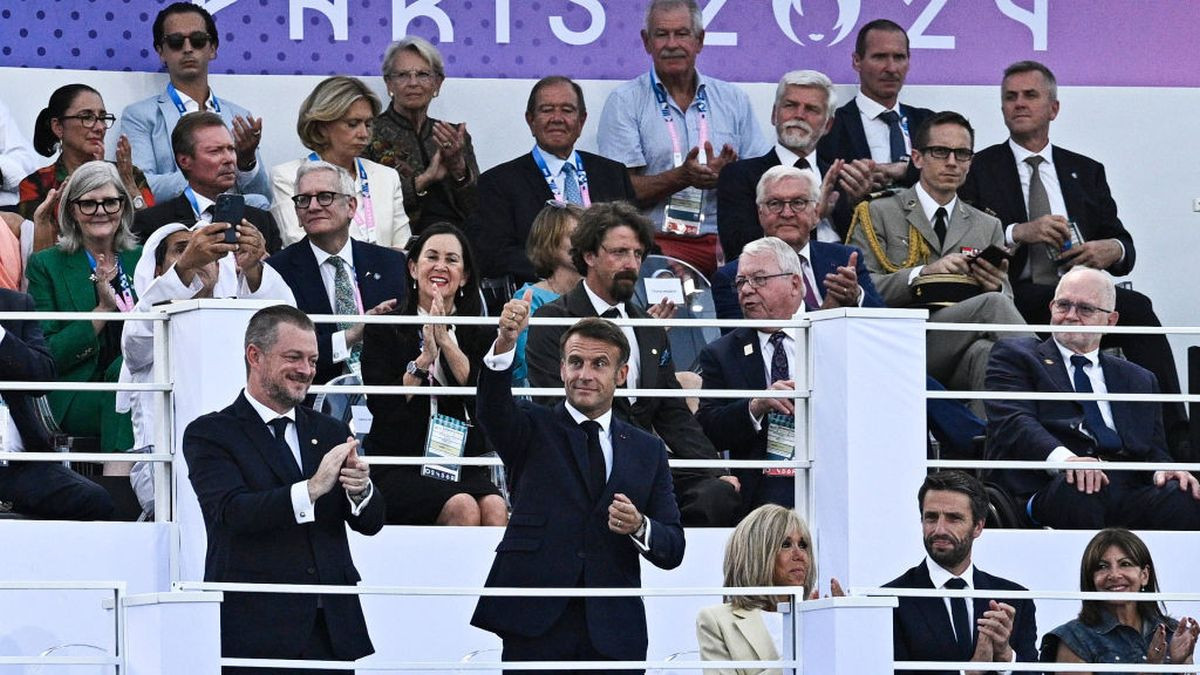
(115, 660)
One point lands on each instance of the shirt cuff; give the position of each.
(1122, 245)
(1059, 454)
(643, 544)
(338, 342)
(2, 333)
(496, 361)
(916, 272)
(1008, 235)
(302, 507)
(756, 421)
(862, 296)
(357, 507)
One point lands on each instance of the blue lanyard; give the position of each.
(660, 94)
(125, 299)
(580, 176)
(191, 197)
(216, 104)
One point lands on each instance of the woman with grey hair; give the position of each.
(90, 269)
(435, 159)
(770, 547)
(335, 123)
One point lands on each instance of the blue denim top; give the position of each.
(1109, 642)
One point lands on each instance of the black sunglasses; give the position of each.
(199, 40)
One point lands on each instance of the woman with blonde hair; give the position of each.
(770, 547)
(335, 123)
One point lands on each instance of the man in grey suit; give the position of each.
(926, 230)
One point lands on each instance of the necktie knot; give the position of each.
(279, 426)
(1080, 361)
(590, 427)
(889, 117)
(610, 313)
(802, 163)
(939, 225)
(897, 145)
(776, 339)
(956, 583)
(1034, 161)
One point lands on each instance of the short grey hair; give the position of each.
(782, 172)
(1033, 67)
(345, 182)
(1108, 287)
(93, 176)
(809, 78)
(785, 256)
(689, 5)
(419, 46)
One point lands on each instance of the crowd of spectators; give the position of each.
(872, 204)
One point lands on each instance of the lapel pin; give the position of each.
(1074, 175)
(653, 351)
(377, 276)
(314, 441)
(747, 350)
(1049, 362)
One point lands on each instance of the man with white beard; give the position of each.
(803, 113)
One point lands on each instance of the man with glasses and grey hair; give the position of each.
(803, 113)
(331, 273)
(1092, 434)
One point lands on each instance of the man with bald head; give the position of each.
(1093, 434)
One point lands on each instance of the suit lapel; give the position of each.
(181, 211)
(933, 611)
(77, 275)
(755, 631)
(264, 442)
(1052, 363)
(534, 179)
(311, 451)
(957, 227)
(169, 112)
(1115, 382)
(579, 453)
(854, 126)
(1008, 182)
(915, 216)
(1068, 184)
(311, 288)
(752, 371)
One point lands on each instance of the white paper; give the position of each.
(360, 419)
(658, 288)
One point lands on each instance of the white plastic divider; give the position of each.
(177, 632)
(116, 658)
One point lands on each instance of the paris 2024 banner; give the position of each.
(1087, 42)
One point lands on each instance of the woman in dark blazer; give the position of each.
(90, 269)
(442, 270)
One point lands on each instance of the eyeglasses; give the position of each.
(199, 40)
(88, 207)
(1082, 309)
(623, 253)
(758, 280)
(797, 205)
(323, 198)
(942, 152)
(421, 76)
(88, 119)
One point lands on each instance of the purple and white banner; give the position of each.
(1086, 42)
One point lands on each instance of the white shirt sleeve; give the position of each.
(303, 507)
(1059, 454)
(644, 543)
(340, 351)
(496, 361)
(356, 508)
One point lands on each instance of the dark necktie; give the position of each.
(279, 427)
(610, 313)
(962, 627)
(811, 301)
(939, 226)
(1107, 440)
(596, 470)
(802, 163)
(1041, 270)
(895, 135)
(779, 362)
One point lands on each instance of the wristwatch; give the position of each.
(138, 202)
(417, 371)
(640, 533)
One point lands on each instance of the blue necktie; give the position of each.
(597, 471)
(1107, 440)
(779, 362)
(571, 185)
(962, 627)
(895, 135)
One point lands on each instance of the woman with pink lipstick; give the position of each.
(443, 283)
(74, 124)
(335, 123)
(770, 547)
(1120, 631)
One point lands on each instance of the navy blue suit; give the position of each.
(1030, 430)
(922, 631)
(558, 534)
(381, 274)
(243, 478)
(826, 258)
(847, 140)
(45, 489)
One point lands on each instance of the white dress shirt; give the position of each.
(879, 136)
(328, 271)
(939, 576)
(601, 306)
(767, 350)
(1096, 374)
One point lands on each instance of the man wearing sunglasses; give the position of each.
(1040, 207)
(186, 39)
(1092, 434)
(926, 230)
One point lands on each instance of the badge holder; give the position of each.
(447, 438)
(684, 213)
(781, 443)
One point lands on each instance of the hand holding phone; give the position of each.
(230, 209)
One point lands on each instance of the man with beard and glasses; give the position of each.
(802, 115)
(278, 483)
(607, 247)
(953, 509)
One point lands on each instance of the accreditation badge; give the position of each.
(781, 442)
(684, 213)
(447, 438)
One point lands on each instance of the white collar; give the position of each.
(872, 108)
(805, 254)
(940, 575)
(764, 336)
(1021, 153)
(346, 253)
(788, 158)
(266, 413)
(185, 99)
(553, 162)
(600, 305)
(930, 206)
(202, 202)
(603, 420)
(1093, 356)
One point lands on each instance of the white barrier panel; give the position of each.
(831, 633)
(172, 633)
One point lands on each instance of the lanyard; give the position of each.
(216, 104)
(364, 217)
(124, 297)
(664, 107)
(580, 177)
(191, 197)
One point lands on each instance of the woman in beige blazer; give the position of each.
(770, 547)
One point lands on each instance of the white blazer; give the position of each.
(728, 634)
(391, 221)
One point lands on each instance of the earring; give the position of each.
(461, 292)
